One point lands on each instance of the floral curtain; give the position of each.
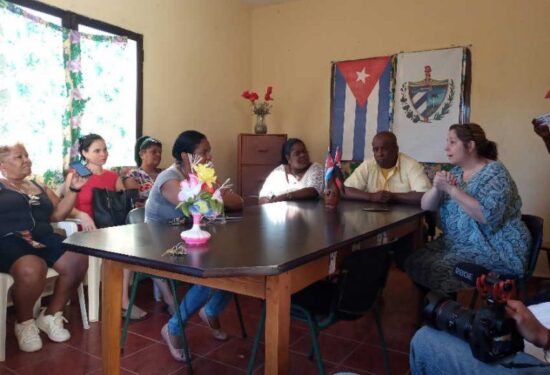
(45, 96)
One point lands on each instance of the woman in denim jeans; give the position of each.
(435, 352)
(160, 208)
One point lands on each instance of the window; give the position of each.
(63, 75)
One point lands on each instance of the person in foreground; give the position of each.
(480, 212)
(148, 155)
(436, 352)
(297, 178)
(389, 177)
(26, 255)
(161, 208)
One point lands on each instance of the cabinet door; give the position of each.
(253, 178)
(262, 149)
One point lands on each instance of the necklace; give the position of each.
(34, 200)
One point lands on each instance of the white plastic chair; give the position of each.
(6, 281)
(93, 281)
(93, 276)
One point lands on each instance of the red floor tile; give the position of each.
(236, 353)
(333, 349)
(301, 365)
(207, 367)
(6, 371)
(347, 346)
(201, 341)
(154, 359)
(369, 358)
(68, 361)
(123, 371)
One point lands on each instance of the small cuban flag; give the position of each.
(360, 105)
(329, 168)
(333, 169)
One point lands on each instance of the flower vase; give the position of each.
(195, 235)
(261, 127)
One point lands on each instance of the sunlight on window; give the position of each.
(110, 81)
(32, 90)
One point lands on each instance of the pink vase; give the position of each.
(195, 235)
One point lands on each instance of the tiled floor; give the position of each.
(347, 346)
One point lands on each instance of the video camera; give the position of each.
(489, 332)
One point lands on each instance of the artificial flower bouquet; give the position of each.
(198, 193)
(200, 197)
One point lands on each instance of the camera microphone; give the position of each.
(469, 272)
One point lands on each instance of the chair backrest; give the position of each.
(136, 216)
(534, 225)
(363, 276)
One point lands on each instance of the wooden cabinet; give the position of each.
(258, 155)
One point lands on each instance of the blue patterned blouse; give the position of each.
(501, 244)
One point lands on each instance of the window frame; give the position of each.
(72, 20)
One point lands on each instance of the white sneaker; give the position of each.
(28, 336)
(52, 325)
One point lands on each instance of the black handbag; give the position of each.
(112, 207)
(15, 212)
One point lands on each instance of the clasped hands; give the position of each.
(382, 196)
(444, 181)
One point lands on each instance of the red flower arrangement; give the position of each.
(259, 108)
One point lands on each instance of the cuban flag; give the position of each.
(329, 168)
(360, 105)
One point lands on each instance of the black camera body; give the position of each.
(489, 332)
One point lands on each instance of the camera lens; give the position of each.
(447, 315)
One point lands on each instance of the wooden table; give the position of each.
(274, 251)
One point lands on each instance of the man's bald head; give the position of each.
(387, 136)
(385, 149)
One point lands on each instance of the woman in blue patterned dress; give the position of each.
(480, 211)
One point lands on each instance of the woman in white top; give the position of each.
(296, 178)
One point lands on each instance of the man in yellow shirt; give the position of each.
(389, 177)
